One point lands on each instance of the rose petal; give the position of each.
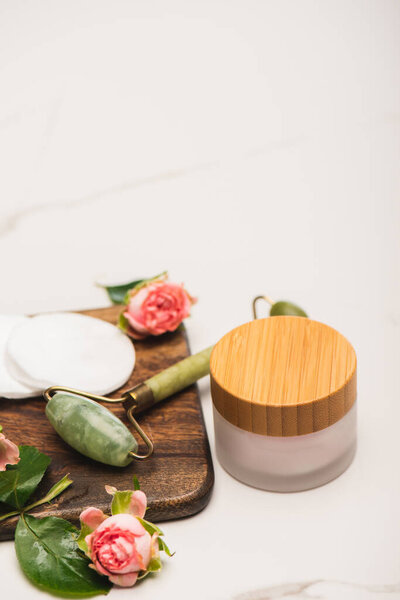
(126, 580)
(97, 566)
(137, 298)
(122, 521)
(134, 322)
(133, 331)
(140, 557)
(138, 504)
(9, 453)
(92, 517)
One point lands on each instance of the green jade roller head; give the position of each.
(94, 431)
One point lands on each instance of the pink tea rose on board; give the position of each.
(124, 546)
(155, 307)
(120, 548)
(9, 452)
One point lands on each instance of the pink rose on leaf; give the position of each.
(124, 546)
(120, 548)
(155, 307)
(9, 452)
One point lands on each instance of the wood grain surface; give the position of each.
(283, 376)
(177, 479)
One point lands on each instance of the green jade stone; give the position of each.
(182, 374)
(91, 429)
(286, 308)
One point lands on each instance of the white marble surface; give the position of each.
(248, 147)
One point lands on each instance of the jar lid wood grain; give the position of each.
(283, 376)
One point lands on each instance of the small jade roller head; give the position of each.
(279, 308)
(92, 429)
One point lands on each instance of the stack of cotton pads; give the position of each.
(65, 349)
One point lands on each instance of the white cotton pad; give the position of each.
(72, 350)
(10, 387)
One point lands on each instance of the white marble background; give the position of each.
(248, 147)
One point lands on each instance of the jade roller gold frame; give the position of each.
(144, 395)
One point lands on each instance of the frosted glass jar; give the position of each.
(284, 396)
(286, 464)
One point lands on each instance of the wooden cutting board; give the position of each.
(178, 478)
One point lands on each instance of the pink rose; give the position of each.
(9, 453)
(119, 546)
(157, 307)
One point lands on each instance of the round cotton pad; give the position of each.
(10, 387)
(72, 350)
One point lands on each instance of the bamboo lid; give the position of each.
(283, 376)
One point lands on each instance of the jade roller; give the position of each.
(94, 431)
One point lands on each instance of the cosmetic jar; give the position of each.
(284, 394)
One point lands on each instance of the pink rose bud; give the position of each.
(138, 504)
(92, 517)
(120, 548)
(156, 308)
(9, 453)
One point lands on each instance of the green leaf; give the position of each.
(286, 308)
(136, 484)
(1, 429)
(123, 323)
(162, 546)
(121, 502)
(80, 540)
(117, 293)
(49, 556)
(19, 481)
(59, 487)
(55, 491)
(150, 527)
(154, 565)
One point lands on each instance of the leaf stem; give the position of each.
(10, 514)
(57, 488)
